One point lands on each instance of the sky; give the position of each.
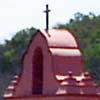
(20, 14)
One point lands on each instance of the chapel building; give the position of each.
(53, 69)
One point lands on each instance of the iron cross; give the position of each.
(47, 17)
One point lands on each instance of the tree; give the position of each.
(14, 49)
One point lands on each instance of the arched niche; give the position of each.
(37, 71)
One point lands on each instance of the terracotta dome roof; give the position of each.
(60, 38)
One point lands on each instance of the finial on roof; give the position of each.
(47, 17)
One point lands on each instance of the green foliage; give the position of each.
(13, 51)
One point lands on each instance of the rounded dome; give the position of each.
(60, 38)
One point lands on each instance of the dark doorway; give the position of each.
(38, 71)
